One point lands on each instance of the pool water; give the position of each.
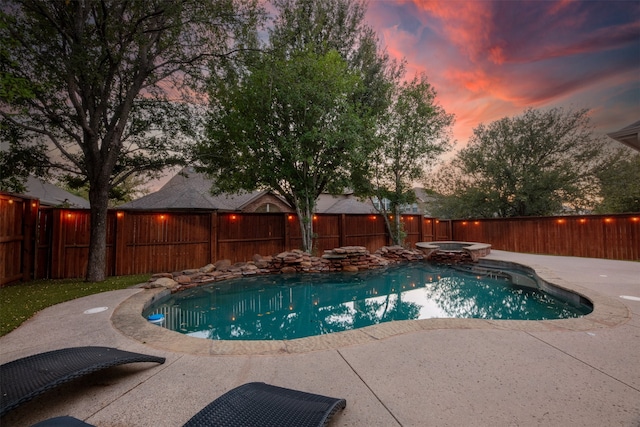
(279, 307)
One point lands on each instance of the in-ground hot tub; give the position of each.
(474, 249)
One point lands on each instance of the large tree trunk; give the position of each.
(306, 228)
(398, 235)
(304, 209)
(99, 199)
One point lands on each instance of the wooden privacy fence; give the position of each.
(151, 242)
(41, 242)
(18, 232)
(593, 236)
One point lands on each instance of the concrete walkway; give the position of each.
(583, 372)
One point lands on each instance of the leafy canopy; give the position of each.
(537, 163)
(619, 183)
(298, 118)
(105, 81)
(413, 131)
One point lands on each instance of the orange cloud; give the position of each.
(468, 25)
(491, 59)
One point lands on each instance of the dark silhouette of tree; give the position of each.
(102, 84)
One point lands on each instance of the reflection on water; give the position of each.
(296, 306)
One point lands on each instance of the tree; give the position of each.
(298, 119)
(17, 162)
(619, 183)
(537, 163)
(20, 161)
(106, 78)
(278, 131)
(412, 132)
(129, 189)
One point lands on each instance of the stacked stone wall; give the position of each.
(450, 257)
(347, 258)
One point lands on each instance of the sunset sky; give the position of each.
(491, 59)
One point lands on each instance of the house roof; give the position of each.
(629, 135)
(191, 190)
(346, 205)
(50, 195)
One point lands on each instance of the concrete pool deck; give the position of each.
(441, 372)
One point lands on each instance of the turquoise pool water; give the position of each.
(278, 307)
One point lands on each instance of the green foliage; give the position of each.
(129, 189)
(12, 87)
(107, 84)
(21, 301)
(412, 132)
(278, 131)
(620, 184)
(19, 161)
(538, 163)
(299, 119)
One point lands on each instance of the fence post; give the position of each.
(213, 238)
(57, 245)
(29, 238)
(121, 267)
(287, 233)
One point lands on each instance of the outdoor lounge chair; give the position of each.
(23, 379)
(251, 404)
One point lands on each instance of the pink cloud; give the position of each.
(491, 59)
(560, 6)
(468, 25)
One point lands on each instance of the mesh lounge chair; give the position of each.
(252, 404)
(23, 379)
(260, 404)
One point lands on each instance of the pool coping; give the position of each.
(127, 319)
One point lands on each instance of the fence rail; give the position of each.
(141, 242)
(592, 236)
(41, 242)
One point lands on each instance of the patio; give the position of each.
(451, 373)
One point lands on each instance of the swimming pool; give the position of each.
(294, 306)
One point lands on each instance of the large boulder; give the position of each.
(165, 282)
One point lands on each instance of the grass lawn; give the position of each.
(21, 301)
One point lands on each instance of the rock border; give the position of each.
(345, 258)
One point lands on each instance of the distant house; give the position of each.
(191, 190)
(345, 203)
(50, 195)
(424, 202)
(629, 135)
(420, 207)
